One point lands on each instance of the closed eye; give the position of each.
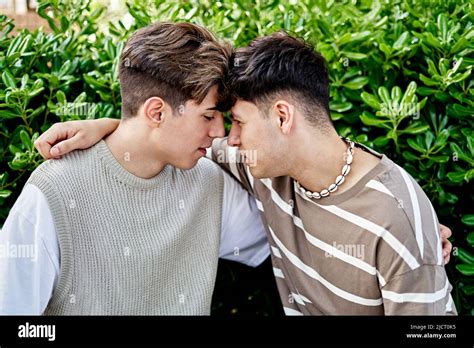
(209, 118)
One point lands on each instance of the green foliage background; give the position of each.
(401, 82)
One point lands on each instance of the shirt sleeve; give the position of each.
(29, 255)
(229, 159)
(422, 291)
(243, 237)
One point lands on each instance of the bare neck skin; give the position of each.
(130, 145)
(320, 158)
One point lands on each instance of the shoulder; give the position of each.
(409, 195)
(412, 218)
(74, 166)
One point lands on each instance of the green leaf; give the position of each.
(461, 77)
(25, 139)
(7, 114)
(384, 96)
(426, 91)
(18, 164)
(13, 149)
(396, 94)
(462, 43)
(369, 120)
(462, 110)
(24, 81)
(361, 138)
(432, 68)
(409, 156)
(460, 153)
(110, 49)
(8, 79)
(451, 198)
(61, 97)
(427, 81)
(470, 238)
(25, 43)
(357, 83)
(467, 270)
(465, 256)
(35, 92)
(409, 93)
(443, 26)
(414, 145)
(456, 66)
(443, 66)
(370, 100)
(429, 137)
(440, 159)
(64, 23)
(191, 13)
(93, 82)
(340, 107)
(431, 40)
(5, 193)
(81, 98)
(37, 112)
(456, 177)
(381, 141)
(354, 55)
(468, 219)
(468, 290)
(415, 129)
(442, 138)
(386, 50)
(353, 37)
(400, 41)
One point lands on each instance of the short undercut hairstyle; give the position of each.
(174, 61)
(281, 65)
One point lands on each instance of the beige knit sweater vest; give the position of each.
(132, 246)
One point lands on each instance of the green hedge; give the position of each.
(401, 82)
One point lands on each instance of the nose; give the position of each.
(234, 135)
(217, 129)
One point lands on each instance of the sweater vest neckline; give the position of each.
(124, 176)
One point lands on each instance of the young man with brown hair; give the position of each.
(135, 225)
(350, 231)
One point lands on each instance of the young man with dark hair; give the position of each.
(350, 231)
(135, 225)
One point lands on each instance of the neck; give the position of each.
(322, 160)
(130, 146)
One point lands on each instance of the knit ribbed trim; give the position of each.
(124, 176)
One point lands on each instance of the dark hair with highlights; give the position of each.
(281, 65)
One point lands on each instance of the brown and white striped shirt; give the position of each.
(371, 250)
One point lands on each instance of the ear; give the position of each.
(286, 115)
(153, 109)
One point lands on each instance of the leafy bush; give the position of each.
(401, 82)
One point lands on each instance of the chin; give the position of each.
(185, 165)
(258, 172)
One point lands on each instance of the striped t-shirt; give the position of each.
(374, 249)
